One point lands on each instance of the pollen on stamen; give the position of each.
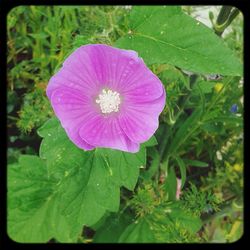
(109, 101)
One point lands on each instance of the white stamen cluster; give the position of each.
(109, 101)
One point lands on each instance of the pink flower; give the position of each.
(106, 97)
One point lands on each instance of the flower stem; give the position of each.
(224, 19)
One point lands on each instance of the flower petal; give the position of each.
(64, 78)
(140, 121)
(109, 67)
(106, 132)
(149, 91)
(71, 108)
(73, 91)
(152, 108)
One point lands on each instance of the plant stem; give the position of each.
(223, 15)
(224, 19)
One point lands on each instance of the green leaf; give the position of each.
(205, 87)
(83, 185)
(165, 34)
(151, 142)
(195, 163)
(168, 223)
(33, 203)
(138, 232)
(113, 227)
(183, 170)
(172, 75)
(185, 131)
(170, 184)
(94, 177)
(154, 154)
(123, 166)
(190, 222)
(55, 148)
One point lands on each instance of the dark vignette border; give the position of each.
(5, 7)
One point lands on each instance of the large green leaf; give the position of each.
(170, 184)
(190, 222)
(33, 203)
(92, 179)
(138, 232)
(67, 187)
(206, 87)
(113, 227)
(165, 34)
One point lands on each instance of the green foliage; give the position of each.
(40, 38)
(196, 163)
(85, 185)
(197, 202)
(227, 225)
(35, 111)
(32, 202)
(227, 179)
(170, 184)
(69, 195)
(205, 87)
(159, 219)
(179, 40)
(144, 201)
(112, 228)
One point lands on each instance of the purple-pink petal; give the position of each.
(140, 123)
(88, 114)
(106, 133)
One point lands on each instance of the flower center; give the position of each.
(109, 101)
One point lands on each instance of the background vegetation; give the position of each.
(201, 126)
